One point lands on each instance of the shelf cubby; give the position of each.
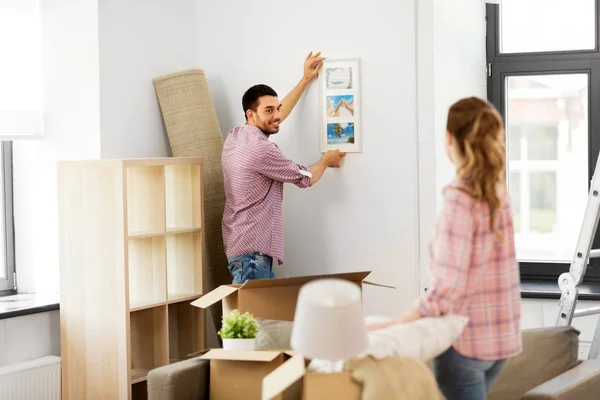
(139, 391)
(127, 280)
(183, 197)
(186, 330)
(145, 200)
(184, 265)
(147, 271)
(149, 341)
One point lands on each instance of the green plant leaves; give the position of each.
(238, 326)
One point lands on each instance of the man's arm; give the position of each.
(276, 166)
(330, 159)
(317, 171)
(312, 65)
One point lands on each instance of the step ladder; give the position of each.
(569, 281)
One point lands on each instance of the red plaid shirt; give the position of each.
(476, 275)
(254, 171)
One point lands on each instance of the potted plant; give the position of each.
(238, 331)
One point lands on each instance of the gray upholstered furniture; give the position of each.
(548, 368)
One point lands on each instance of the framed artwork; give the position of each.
(340, 106)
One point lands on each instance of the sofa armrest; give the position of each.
(183, 380)
(579, 383)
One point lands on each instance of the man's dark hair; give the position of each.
(250, 98)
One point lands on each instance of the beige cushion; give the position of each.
(547, 353)
(273, 334)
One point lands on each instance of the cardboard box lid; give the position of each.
(215, 295)
(300, 280)
(242, 355)
(283, 377)
(225, 290)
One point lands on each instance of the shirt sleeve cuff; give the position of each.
(306, 176)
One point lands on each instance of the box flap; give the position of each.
(214, 296)
(378, 285)
(295, 281)
(241, 355)
(283, 377)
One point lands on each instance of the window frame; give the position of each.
(501, 65)
(8, 286)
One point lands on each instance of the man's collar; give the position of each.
(255, 129)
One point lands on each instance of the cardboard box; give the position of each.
(273, 375)
(292, 381)
(270, 298)
(236, 375)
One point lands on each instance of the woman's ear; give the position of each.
(449, 146)
(449, 138)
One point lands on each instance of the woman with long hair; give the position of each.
(473, 264)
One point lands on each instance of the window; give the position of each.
(544, 78)
(530, 26)
(21, 103)
(7, 249)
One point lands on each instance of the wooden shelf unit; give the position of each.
(131, 245)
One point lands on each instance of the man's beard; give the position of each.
(267, 132)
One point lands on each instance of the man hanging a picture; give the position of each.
(254, 171)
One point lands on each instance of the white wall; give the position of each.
(140, 40)
(72, 122)
(99, 103)
(451, 64)
(363, 216)
(460, 61)
(29, 337)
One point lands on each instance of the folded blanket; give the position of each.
(394, 378)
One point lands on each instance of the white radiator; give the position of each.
(38, 379)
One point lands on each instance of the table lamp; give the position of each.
(329, 323)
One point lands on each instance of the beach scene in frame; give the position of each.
(340, 133)
(340, 106)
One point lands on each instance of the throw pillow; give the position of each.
(273, 334)
(423, 339)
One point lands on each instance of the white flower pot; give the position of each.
(238, 344)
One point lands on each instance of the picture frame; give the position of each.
(340, 106)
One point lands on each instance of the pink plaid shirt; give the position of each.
(254, 171)
(476, 275)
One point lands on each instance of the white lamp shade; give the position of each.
(329, 322)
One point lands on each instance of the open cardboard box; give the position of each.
(273, 375)
(270, 298)
(238, 374)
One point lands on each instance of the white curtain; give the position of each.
(21, 100)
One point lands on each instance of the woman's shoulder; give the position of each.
(458, 192)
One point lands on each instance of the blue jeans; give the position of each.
(251, 266)
(465, 378)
